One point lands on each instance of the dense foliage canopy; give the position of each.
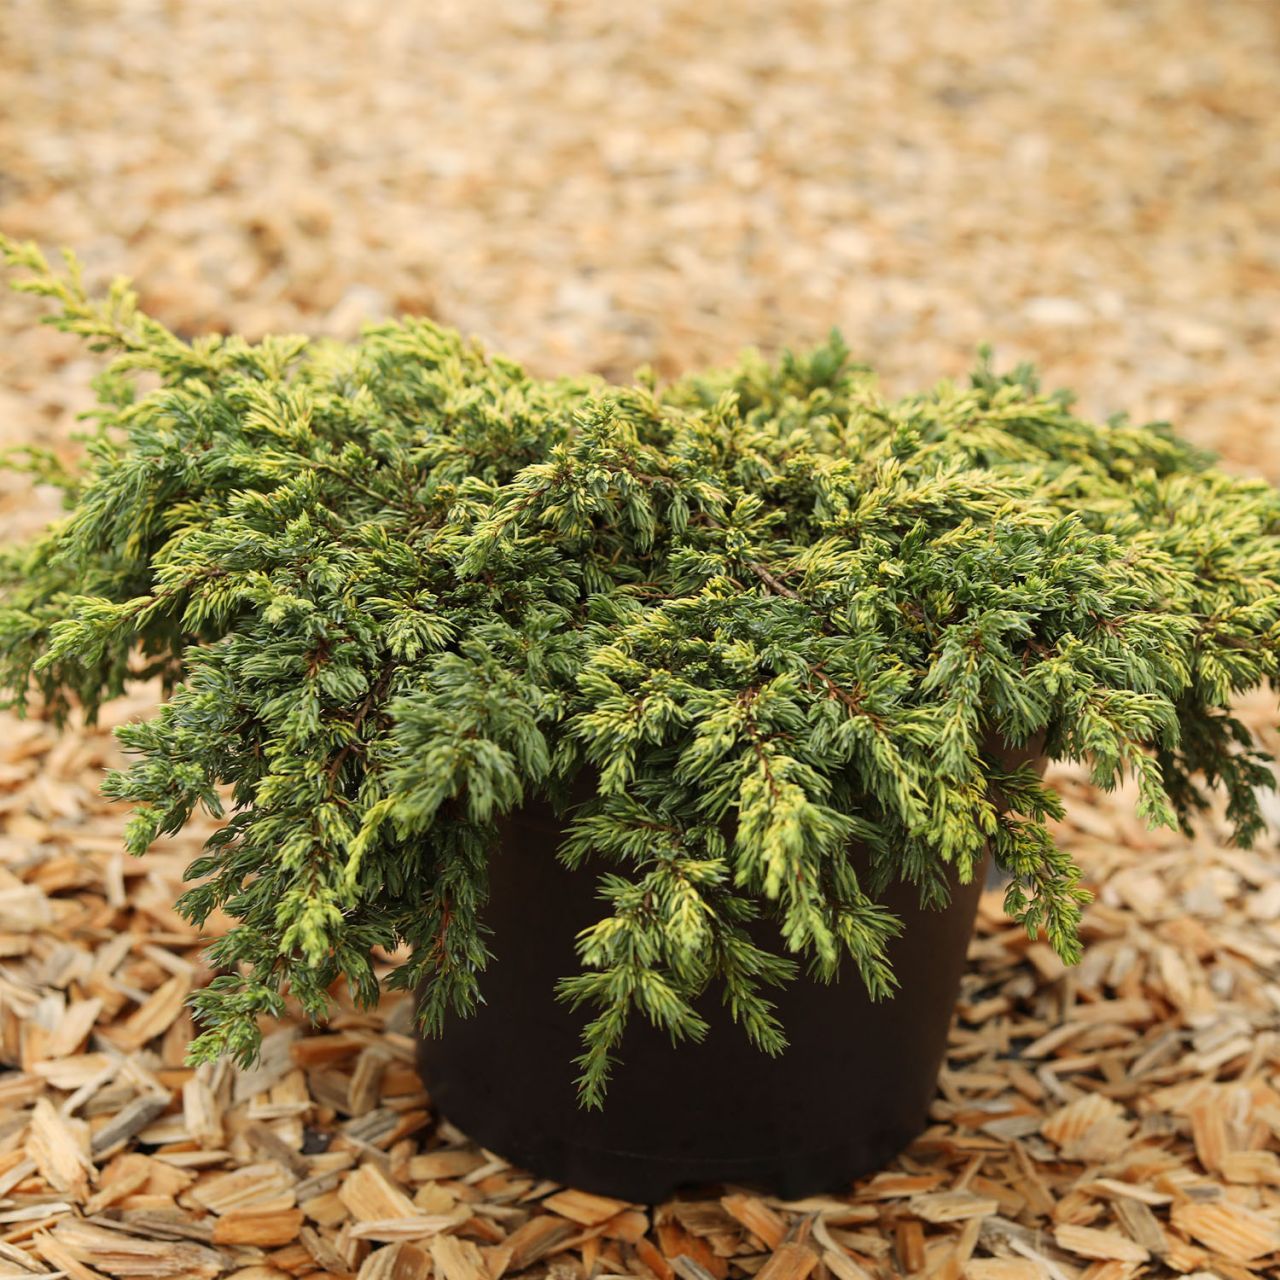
(772, 621)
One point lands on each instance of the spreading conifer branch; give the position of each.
(765, 635)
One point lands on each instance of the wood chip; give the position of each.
(62, 1257)
(537, 1238)
(1142, 1225)
(363, 1092)
(1232, 1230)
(396, 1262)
(242, 1188)
(586, 1209)
(117, 1253)
(128, 1122)
(688, 1268)
(1002, 1269)
(757, 1217)
(457, 1259)
(909, 1239)
(153, 1016)
(1091, 1127)
(789, 1262)
(951, 1206)
(444, 1164)
(843, 1267)
(258, 1227)
(651, 1257)
(1251, 1166)
(1089, 1243)
(1129, 1190)
(370, 1195)
(419, 1226)
(59, 1150)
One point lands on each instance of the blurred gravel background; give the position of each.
(1092, 184)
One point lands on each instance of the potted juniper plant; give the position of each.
(662, 734)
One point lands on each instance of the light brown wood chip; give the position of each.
(647, 1252)
(628, 1226)
(120, 1254)
(444, 1164)
(1142, 1225)
(1106, 1245)
(1114, 1011)
(1209, 1128)
(1259, 1167)
(370, 1196)
(73, 1029)
(1069, 1122)
(1092, 1128)
(1113, 1271)
(1129, 1190)
(909, 1243)
(402, 1261)
(59, 1149)
(18, 1172)
(586, 1209)
(201, 1113)
(366, 1080)
(254, 1226)
(62, 1257)
(241, 1188)
(18, 1089)
(888, 1186)
(537, 1238)
(457, 1259)
(789, 1262)
(420, 1226)
(1235, 1232)
(952, 1206)
(120, 1179)
(688, 1268)
(326, 1209)
(1002, 1269)
(324, 1251)
(757, 1217)
(153, 1016)
(843, 1267)
(497, 1258)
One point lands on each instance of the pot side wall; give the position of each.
(851, 1090)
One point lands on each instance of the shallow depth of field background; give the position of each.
(1091, 184)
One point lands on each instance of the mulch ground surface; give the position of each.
(1090, 184)
(1110, 1121)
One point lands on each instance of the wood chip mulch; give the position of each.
(1090, 184)
(1117, 1120)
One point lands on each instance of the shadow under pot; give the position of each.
(852, 1089)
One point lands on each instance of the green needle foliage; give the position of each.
(777, 636)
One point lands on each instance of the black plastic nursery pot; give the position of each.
(852, 1089)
